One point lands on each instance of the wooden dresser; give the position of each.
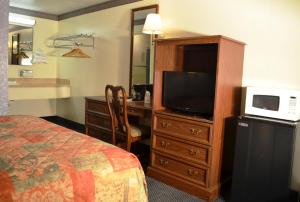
(186, 151)
(182, 148)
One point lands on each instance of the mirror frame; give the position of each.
(155, 6)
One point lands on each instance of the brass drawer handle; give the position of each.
(193, 152)
(164, 144)
(163, 162)
(192, 172)
(165, 124)
(196, 131)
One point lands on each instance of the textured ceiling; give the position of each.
(55, 7)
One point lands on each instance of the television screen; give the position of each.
(189, 92)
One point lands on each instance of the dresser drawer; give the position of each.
(196, 153)
(96, 106)
(188, 130)
(195, 174)
(98, 120)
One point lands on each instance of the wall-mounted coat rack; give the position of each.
(79, 40)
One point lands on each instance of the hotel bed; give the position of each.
(41, 161)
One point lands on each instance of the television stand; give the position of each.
(186, 151)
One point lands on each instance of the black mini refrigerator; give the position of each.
(263, 159)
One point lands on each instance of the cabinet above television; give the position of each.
(198, 57)
(217, 55)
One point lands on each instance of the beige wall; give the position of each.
(270, 28)
(33, 107)
(43, 30)
(110, 58)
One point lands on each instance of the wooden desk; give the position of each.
(97, 118)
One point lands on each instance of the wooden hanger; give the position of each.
(76, 52)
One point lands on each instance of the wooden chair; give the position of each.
(123, 134)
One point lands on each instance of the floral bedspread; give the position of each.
(41, 161)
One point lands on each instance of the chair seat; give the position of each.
(135, 132)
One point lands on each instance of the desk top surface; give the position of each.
(134, 104)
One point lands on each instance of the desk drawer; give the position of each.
(188, 130)
(198, 154)
(98, 120)
(96, 106)
(135, 111)
(99, 134)
(188, 172)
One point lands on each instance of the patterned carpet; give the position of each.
(159, 192)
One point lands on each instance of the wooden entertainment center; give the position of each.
(186, 150)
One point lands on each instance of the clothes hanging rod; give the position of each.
(72, 46)
(75, 41)
(71, 37)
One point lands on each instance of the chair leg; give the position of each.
(128, 145)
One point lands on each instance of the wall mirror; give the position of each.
(20, 44)
(142, 48)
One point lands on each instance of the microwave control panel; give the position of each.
(292, 105)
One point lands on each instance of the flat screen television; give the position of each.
(189, 92)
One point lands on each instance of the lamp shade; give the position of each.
(152, 24)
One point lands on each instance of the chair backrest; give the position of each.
(116, 101)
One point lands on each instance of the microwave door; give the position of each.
(264, 105)
(266, 102)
